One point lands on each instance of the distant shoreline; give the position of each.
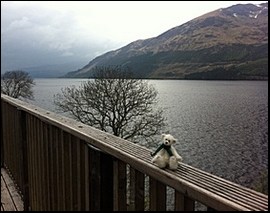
(206, 79)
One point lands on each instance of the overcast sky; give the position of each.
(35, 33)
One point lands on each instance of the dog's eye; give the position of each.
(169, 141)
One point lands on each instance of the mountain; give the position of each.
(52, 71)
(228, 43)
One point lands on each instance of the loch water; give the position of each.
(221, 126)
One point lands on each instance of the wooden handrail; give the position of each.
(61, 164)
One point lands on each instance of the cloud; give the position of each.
(36, 35)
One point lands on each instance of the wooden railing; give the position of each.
(61, 164)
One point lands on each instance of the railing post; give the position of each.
(157, 195)
(106, 182)
(120, 183)
(183, 203)
(2, 137)
(101, 180)
(23, 143)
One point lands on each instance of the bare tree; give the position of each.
(17, 84)
(114, 102)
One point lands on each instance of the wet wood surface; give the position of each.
(10, 198)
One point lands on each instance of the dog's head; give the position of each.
(168, 139)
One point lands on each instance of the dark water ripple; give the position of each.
(222, 126)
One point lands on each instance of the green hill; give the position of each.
(229, 43)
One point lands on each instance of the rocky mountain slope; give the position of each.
(229, 43)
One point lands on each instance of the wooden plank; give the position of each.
(61, 180)
(29, 159)
(23, 141)
(130, 188)
(57, 168)
(222, 184)
(12, 144)
(139, 191)
(8, 141)
(87, 177)
(229, 195)
(42, 201)
(94, 180)
(120, 184)
(50, 169)
(136, 190)
(9, 186)
(2, 137)
(34, 164)
(38, 165)
(67, 171)
(53, 183)
(157, 194)
(18, 170)
(75, 175)
(2, 134)
(106, 173)
(6, 200)
(8, 162)
(15, 196)
(82, 185)
(41, 164)
(183, 203)
(46, 148)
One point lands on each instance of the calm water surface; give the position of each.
(221, 126)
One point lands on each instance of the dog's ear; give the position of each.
(174, 140)
(163, 135)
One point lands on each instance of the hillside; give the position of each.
(52, 71)
(229, 43)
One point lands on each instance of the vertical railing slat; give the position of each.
(75, 176)
(82, 185)
(39, 165)
(87, 178)
(157, 195)
(15, 145)
(2, 134)
(106, 170)
(24, 169)
(139, 191)
(46, 166)
(183, 203)
(136, 190)
(57, 167)
(29, 159)
(51, 171)
(42, 166)
(61, 186)
(120, 182)
(94, 180)
(34, 153)
(67, 171)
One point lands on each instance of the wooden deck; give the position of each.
(10, 198)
